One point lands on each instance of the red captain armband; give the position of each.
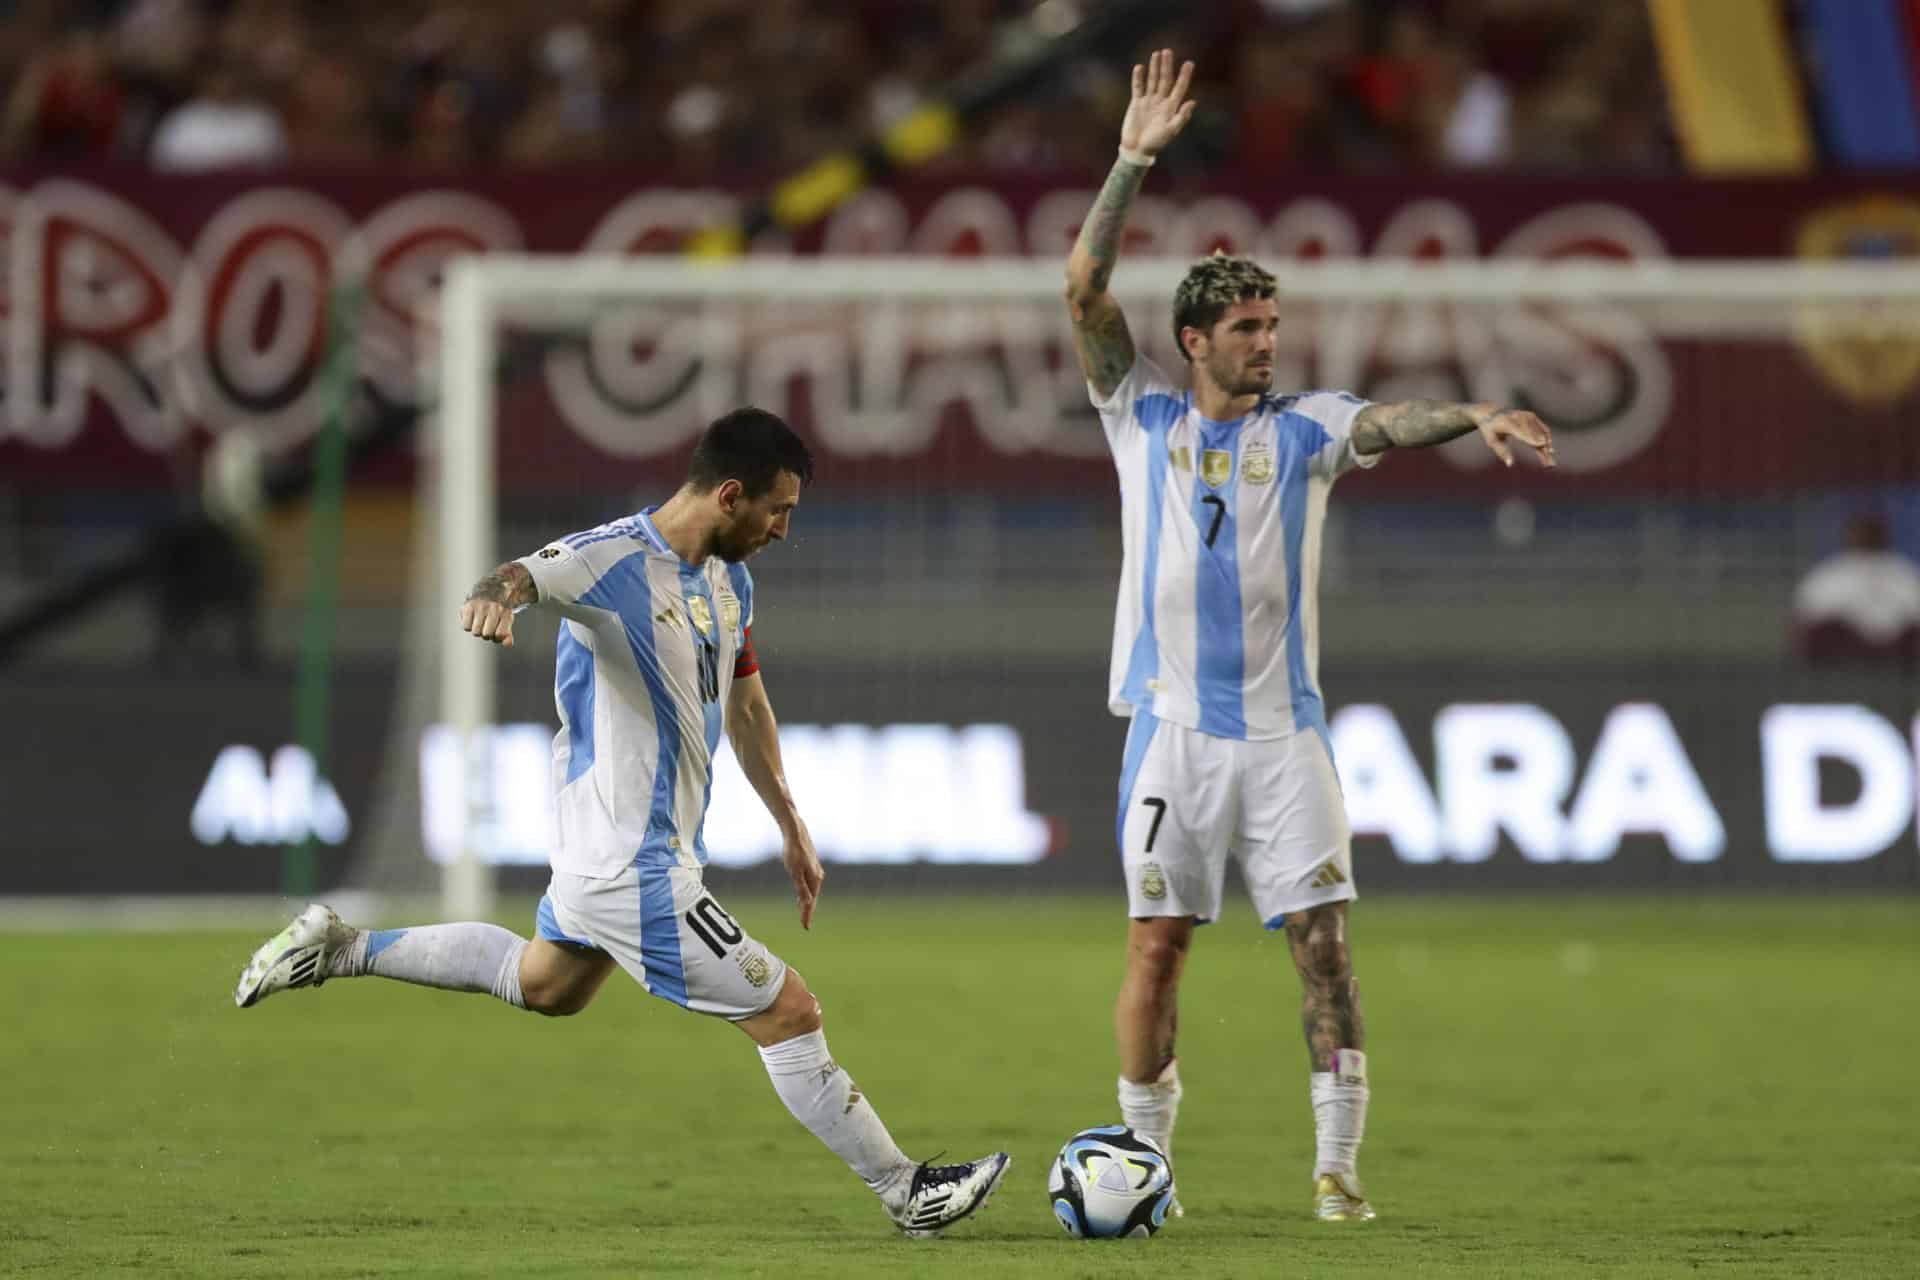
(746, 662)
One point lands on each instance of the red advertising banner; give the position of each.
(144, 315)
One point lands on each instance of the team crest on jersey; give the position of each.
(701, 613)
(1257, 466)
(1153, 882)
(1215, 466)
(1181, 458)
(729, 609)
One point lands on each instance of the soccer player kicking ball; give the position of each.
(655, 657)
(1223, 488)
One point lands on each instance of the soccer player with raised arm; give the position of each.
(655, 658)
(1223, 488)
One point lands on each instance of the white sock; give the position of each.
(1150, 1109)
(454, 957)
(826, 1100)
(1339, 1113)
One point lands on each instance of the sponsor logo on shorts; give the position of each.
(1329, 875)
(853, 1097)
(1257, 466)
(755, 969)
(1153, 882)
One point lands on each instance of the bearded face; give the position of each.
(755, 522)
(1236, 354)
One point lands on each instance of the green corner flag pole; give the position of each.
(313, 685)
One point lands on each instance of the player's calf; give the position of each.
(922, 1199)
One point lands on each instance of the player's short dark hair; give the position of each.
(749, 445)
(1213, 284)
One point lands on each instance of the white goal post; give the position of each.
(1725, 299)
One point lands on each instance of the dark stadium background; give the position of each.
(1699, 1030)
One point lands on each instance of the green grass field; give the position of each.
(1621, 1085)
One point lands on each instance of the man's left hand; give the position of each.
(1508, 425)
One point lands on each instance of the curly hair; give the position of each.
(1212, 285)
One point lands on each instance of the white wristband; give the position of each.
(1137, 158)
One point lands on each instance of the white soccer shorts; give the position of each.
(662, 926)
(1188, 798)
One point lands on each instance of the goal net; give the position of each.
(936, 630)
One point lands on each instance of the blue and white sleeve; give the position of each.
(1335, 411)
(1117, 416)
(561, 573)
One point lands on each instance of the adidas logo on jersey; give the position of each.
(1328, 876)
(669, 616)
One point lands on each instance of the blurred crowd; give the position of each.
(697, 89)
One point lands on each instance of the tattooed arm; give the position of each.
(1157, 111)
(1415, 424)
(488, 611)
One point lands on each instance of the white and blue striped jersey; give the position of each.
(647, 652)
(1216, 626)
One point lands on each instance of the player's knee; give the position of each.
(1322, 957)
(1158, 959)
(796, 1011)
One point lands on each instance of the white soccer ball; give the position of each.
(1109, 1183)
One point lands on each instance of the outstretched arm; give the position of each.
(1415, 424)
(488, 611)
(1158, 110)
(756, 744)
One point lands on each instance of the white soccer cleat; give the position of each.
(300, 955)
(942, 1194)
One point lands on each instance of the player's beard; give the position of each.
(733, 545)
(1241, 379)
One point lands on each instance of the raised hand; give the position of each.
(1159, 108)
(1517, 424)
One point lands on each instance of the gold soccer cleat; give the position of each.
(1337, 1198)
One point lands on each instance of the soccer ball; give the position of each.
(1110, 1182)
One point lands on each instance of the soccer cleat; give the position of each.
(942, 1194)
(300, 955)
(1337, 1198)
